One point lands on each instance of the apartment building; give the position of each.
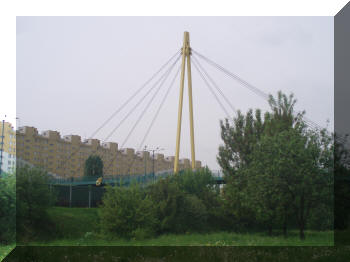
(7, 147)
(65, 156)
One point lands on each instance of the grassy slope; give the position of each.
(4, 250)
(74, 222)
(79, 226)
(212, 239)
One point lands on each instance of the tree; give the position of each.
(240, 139)
(33, 198)
(342, 182)
(273, 166)
(7, 209)
(246, 130)
(289, 170)
(93, 166)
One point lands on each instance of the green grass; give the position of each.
(74, 222)
(79, 227)
(4, 250)
(211, 239)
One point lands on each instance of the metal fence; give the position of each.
(83, 191)
(78, 195)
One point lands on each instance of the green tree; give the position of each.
(272, 167)
(240, 138)
(93, 166)
(33, 199)
(342, 182)
(7, 209)
(289, 170)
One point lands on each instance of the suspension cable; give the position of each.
(155, 117)
(161, 80)
(140, 101)
(125, 103)
(211, 89)
(254, 89)
(214, 84)
(149, 103)
(134, 94)
(234, 76)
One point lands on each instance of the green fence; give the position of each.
(83, 192)
(78, 195)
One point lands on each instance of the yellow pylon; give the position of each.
(186, 54)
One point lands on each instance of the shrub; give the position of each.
(7, 209)
(202, 185)
(177, 211)
(33, 199)
(126, 210)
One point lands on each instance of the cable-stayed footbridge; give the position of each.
(178, 65)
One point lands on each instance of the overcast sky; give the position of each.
(74, 72)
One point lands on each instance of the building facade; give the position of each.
(65, 156)
(7, 147)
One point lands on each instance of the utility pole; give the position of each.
(153, 161)
(144, 156)
(186, 54)
(2, 144)
(152, 150)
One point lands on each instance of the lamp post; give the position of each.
(2, 143)
(144, 156)
(152, 150)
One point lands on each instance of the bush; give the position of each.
(202, 185)
(125, 211)
(177, 211)
(33, 200)
(7, 209)
(177, 204)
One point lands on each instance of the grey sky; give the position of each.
(73, 72)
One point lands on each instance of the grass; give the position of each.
(5, 250)
(194, 239)
(79, 227)
(74, 222)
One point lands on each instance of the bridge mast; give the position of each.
(186, 54)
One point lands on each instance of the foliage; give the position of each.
(287, 175)
(342, 182)
(276, 168)
(33, 199)
(7, 209)
(203, 186)
(125, 210)
(93, 166)
(178, 204)
(184, 201)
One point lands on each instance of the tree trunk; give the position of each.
(270, 230)
(301, 219)
(285, 228)
(285, 222)
(301, 231)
